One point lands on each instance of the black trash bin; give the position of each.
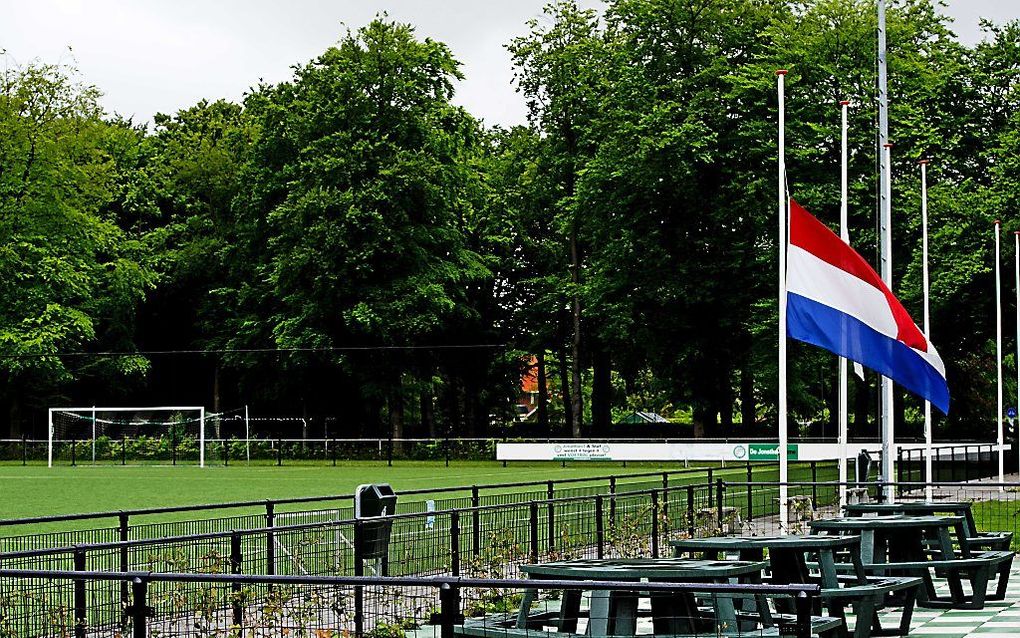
(863, 466)
(374, 501)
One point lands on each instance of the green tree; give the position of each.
(69, 277)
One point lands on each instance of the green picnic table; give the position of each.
(974, 539)
(788, 564)
(615, 613)
(896, 546)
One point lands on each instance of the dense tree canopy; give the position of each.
(350, 243)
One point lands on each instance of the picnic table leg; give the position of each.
(867, 618)
(1000, 588)
(725, 615)
(623, 613)
(570, 609)
(598, 616)
(909, 602)
(522, 616)
(672, 614)
(979, 587)
(953, 575)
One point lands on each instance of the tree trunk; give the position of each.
(216, 399)
(601, 392)
(14, 414)
(726, 405)
(577, 410)
(568, 405)
(428, 420)
(396, 409)
(748, 411)
(542, 408)
(704, 419)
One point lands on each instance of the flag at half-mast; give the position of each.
(836, 301)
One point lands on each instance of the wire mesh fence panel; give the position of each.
(62, 604)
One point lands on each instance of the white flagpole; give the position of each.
(998, 348)
(888, 425)
(783, 208)
(885, 245)
(1016, 237)
(929, 488)
(844, 232)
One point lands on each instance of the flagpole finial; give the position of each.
(844, 102)
(782, 72)
(998, 222)
(923, 161)
(888, 145)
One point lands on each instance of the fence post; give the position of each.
(139, 609)
(533, 525)
(455, 543)
(476, 521)
(814, 485)
(710, 482)
(803, 604)
(359, 570)
(449, 609)
(720, 490)
(600, 528)
(550, 514)
(123, 450)
(665, 497)
(226, 452)
(270, 538)
(235, 568)
(332, 451)
(279, 452)
(74, 451)
(936, 465)
(655, 523)
(612, 501)
(24, 449)
(750, 497)
(124, 566)
(690, 510)
(80, 612)
(173, 447)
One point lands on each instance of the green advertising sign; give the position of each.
(770, 452)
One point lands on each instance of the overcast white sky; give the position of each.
(161, 55)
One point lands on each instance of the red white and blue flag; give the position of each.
(836, 301)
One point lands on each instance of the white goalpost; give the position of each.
(94, 421)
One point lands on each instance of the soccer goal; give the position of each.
(171, 427)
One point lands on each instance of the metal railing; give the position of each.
(320, 605)
(122, 525)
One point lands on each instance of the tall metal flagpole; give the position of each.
(783, 211)
(844, 232)
(998, 347)
(1016, 237)
(885, 243)
(929, 490)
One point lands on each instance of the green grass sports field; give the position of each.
(39, 491)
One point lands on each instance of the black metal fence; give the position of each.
(123, 525)
(236, 605)
(487, 541)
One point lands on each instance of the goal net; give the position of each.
(173, 434)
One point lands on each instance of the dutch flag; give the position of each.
(836, 301)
